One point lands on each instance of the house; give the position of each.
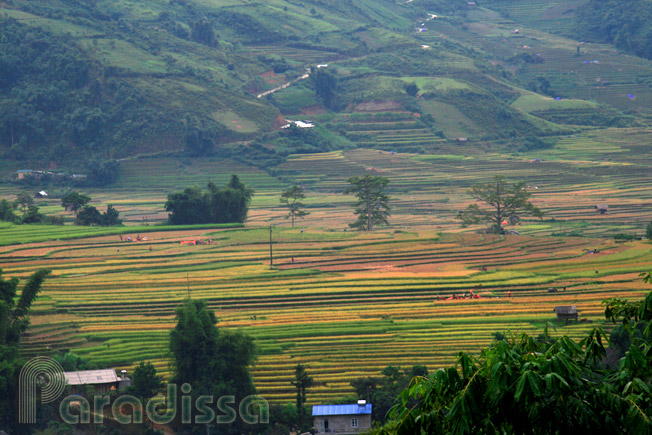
(602, 208)
(342, 419)
(462, 139)
(300, 124)
(21, 174)
(566, 313)
(102, 381)
(41, 194)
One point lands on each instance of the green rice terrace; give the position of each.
(436, 96)
(345, 304)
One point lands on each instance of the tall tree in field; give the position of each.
(301, 382)
(502, 201)
(292, 199)
(371, 208)
(74, 201)
(214, 362)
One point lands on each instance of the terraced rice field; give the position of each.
(344, 304)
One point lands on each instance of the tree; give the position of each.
(32, 216)
(74, 201)
(88, 216)
(226, 205)
(14, 320)
(103, 172)
(111, 217)
(6, 211)
(411, 89)
(301, 382)
(23, 200)
(292, 199)
(505, 203)
(648, 230)
(213, 362)
(523, 385)
(145, 383)
(371, 208)
(325, 83)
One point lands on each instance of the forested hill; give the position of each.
(625, 23)
(113, 78)
(102, 79)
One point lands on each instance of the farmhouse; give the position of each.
(102, 381)
(342, 419)
(566, 313)
(41, 194)
(21, 174)
(602, 208)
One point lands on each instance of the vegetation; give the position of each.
(214, 362)
(302, 381)
(75, 201)
(371, 208)
(536, 386)
(623, 24)
(382, 392)
(90, 216)
(292, 200)
(145, 383)
(14, 320)
(226, 205)
(505, 204)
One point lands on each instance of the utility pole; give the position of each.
(271, 256)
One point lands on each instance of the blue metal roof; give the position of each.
(341, 409)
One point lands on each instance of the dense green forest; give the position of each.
(626, 24)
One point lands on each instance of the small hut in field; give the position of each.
(567, 313)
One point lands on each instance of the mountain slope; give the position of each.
(115, 79)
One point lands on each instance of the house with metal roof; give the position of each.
(342, 419)
(101, 380)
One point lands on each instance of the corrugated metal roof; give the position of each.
(89, 377)
(341, 409)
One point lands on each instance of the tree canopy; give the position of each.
(14, 320)
(371, 207)
(302, 381)
(226, 205)
(292, 199)
(74, 201)
(90, 216)
(539, 386)
(145, 383)
(214, 362)
(503, 202)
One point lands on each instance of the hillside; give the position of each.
(113, 80)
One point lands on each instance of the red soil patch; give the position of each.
(279, 122)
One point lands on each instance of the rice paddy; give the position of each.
(344, 304)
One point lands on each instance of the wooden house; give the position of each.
(567, 313)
